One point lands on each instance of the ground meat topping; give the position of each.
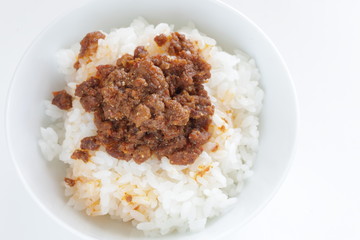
(89, 46)
(150, 105)
(62, 100)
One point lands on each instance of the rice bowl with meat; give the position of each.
(159, 197)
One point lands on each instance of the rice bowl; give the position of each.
(43, 180)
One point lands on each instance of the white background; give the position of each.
(320, 41)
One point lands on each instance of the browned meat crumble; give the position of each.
(148, 105)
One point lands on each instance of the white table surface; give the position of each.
(320, 41)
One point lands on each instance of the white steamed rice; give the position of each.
(165, 197)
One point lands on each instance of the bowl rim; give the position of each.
(224, 233)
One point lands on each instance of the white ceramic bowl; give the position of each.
(37, 76)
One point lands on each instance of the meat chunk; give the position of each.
(62, 100)
(155, 103)
(90, 103)
(141, 114)
(176, 114)
(186, 156)
(89, 43)
(89, 143)
(179, 45)
(90, 99)
(126, 61)
(104, 70)
(140, 52)
(81, 155)
(152, 74)
(87, 88)
(141, 154)
(115, 152)
(89, 46)
(139, 82)
(160, 39)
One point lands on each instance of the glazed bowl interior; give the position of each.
(37, 77)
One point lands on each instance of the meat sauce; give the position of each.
(149, 105)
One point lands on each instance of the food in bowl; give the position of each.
(157, 127)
